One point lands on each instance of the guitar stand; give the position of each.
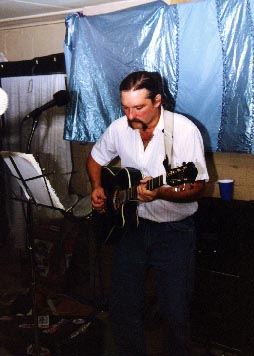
(38, 192)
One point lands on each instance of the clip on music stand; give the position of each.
(38, 191)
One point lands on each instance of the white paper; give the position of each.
(40, 188)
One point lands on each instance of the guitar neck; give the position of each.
(174, 177)
(132, 194)
(155, 183)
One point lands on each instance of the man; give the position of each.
(165, 236)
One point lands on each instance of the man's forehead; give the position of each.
(134, 95)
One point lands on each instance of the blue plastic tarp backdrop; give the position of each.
(204, 50)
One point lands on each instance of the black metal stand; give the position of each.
(31, 201)
(34, 125)
(30, 248)
(38, 192)
(35, 115)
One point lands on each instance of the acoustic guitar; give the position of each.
(120, 186)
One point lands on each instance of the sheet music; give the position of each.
(41, 189)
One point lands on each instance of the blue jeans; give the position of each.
(169, 248)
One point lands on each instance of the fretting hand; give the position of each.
(143, 193)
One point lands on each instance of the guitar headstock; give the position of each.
(187, 173)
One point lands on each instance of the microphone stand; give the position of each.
(60, 98)
(35, 115)
(29, 236)
(34, 126)
(30, 246)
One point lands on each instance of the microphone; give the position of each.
(61, 98)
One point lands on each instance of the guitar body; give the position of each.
(114, 182)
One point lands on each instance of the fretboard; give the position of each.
(132, 194)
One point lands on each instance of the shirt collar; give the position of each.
(160, 125)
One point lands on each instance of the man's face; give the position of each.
(141, 111)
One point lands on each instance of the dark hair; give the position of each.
(152, 81)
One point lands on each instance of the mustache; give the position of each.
(130, 123)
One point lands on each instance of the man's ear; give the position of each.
(157, 100)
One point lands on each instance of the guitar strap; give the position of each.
(168, 138)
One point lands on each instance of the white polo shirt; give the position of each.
(121, 140)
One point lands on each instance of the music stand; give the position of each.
(39, 192)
